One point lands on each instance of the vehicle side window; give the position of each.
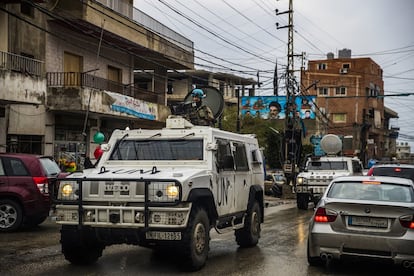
(356, 167)
(1, 168)
(17, 168)
(240, 157)
(223, 155)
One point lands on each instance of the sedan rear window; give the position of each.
(376, 192)
(50, 166)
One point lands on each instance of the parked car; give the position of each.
(364, 216)
(24, 189)
(397, 170)
(274, 183)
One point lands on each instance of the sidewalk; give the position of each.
(286, 198)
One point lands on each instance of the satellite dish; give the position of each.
(331, 144)
(213, 99)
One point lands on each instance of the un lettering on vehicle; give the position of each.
(223, 187)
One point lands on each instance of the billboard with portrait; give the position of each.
(274, 107)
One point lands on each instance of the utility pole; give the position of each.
(275, 82)
(293, 142)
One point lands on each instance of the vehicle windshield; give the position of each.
(162, 149)
(378, 192)
(327, 165)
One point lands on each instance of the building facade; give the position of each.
(350, 102)
(67, 72)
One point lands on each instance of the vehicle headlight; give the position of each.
(301, 181)
(164, 191)
(68, 190)
(172, 191)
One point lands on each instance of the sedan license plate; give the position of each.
(167, 236)
(368, 222)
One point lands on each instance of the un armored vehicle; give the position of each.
(319, 171)
(164, 189)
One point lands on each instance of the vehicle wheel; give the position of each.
(249, 235)
(11, 215)
(302, 201)
(196, 240)
(78, 251)
(313, 261)
(277, 190)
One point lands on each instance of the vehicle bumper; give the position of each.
(124, 216)
(318, 190)
(322, 240)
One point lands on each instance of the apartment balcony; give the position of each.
(83, 92)
(148, 47)
(21, 80)
(77, 80)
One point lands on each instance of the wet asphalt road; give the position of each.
(281, 251)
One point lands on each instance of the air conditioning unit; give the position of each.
(343, 70)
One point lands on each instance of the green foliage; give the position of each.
(269, 141)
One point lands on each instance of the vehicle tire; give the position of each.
(78, 250)
(196, 240)
(249, 235)
(276, 190)
(313, 261)
(302, 201)
(11, 215)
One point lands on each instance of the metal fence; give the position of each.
(78, 79)
(18, 63)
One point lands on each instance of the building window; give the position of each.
(340, 91)
(323, 91)
(346, 66)
(27, 9)
(373, 90)
(170, 88)
(25, 144)
(322, 66)
(339, 117)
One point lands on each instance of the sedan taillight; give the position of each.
(42, 184)
(407, 221)
(324, 215)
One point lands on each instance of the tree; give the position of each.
(269, 141)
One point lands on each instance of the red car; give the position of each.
(24, 189)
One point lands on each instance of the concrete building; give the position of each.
(181, 83)
(350, 99)
(403, 151)
(67, 71)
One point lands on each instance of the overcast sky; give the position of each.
(240, 37)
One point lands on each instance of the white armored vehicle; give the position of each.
(164, 189)
(318, 172)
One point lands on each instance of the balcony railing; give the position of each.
(78, 79)
(18, 63)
